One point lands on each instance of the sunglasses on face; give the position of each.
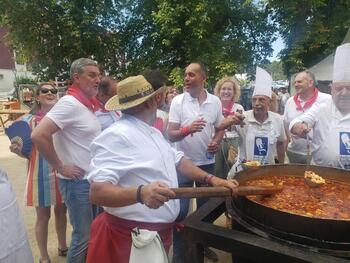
(45, 91)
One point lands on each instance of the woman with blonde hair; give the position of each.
(228, 90)
(42, 183)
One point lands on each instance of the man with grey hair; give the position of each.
(63, 137)
(306, 95)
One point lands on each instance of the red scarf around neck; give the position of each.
(227, 111)
(39, 115)
(92, 104)
(308, 103)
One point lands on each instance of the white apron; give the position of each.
(260, 143)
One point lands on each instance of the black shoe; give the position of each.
(210, 254)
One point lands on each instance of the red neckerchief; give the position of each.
(39, 115)
(308, 103)
(92, 104)
(227, 111)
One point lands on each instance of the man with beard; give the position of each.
(197, 126)
(106, 90)
(306, 95)
(132, 170)
(330, 121)
(263, 135)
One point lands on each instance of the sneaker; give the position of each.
(210, 254)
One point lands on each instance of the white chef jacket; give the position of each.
(259, 140)
(299, 145)
(184, 110)
(331, 135)
(130, 153)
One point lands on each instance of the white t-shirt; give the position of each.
(259, 140)
(331, 135)
(131, 153)
(78, 128)
(299, 145)
(232, 133)
(184, 110)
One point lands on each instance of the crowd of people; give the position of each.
(109, 153)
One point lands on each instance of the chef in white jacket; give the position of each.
(263, 135)
(330, 121)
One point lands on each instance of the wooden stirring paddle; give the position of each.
(198, 192)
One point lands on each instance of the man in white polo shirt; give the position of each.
(306, 95)
(330, 121)
(63, 137)
(132, 168)
(263, 135)
(195, 124)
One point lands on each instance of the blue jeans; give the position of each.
(179, 245)
(81, 213)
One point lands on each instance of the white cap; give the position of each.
(263, 83)
(341, 68)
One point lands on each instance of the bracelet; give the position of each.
(185, 131)
(208, 178)
(138, 194)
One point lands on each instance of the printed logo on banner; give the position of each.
(344, 143)
(261, 146)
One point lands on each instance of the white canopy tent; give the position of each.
(324, 69)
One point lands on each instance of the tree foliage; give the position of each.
(311, 29)
(275, 68)
(131, 35)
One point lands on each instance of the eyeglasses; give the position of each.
(45, 91)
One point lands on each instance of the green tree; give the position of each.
(311, 29)
(275, 68)
(126, 37)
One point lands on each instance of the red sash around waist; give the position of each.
(110, 238)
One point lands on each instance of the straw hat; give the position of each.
(131, 92)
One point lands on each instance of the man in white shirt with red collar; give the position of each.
(106, 90)
(306, 95)
(63, 137)
(195, 124)
(132, 170)
(330, 121)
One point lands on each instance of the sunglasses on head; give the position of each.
(45, 91)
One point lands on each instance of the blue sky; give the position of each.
(277, 46)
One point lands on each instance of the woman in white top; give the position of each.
(228, 90)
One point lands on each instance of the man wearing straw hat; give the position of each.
(263, 135)
(132, 170)
(330, 121)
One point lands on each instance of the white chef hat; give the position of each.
(341, 67)
(263, 83)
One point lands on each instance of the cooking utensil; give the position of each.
(308, 156)
(198, 192)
